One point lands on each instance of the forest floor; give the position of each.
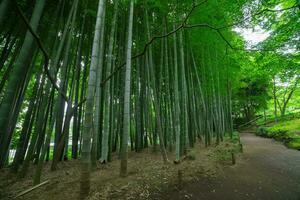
(266, 170)
(147, 176)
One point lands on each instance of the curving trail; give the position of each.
(267, 170)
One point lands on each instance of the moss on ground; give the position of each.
(287, 132)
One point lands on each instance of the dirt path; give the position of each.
(266, 170)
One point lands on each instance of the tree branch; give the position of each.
(257, 14)
(218, 29)
(212, 28)
(183, 25)
(31, 189)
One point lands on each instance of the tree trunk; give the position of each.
(88, 121)
(20, 70)
(25, 133)
(126, 114)
(155, 99)
(4, 8)
(176, 101)
(99, 99)
(76, 118)
(275, 99)
(107, 96)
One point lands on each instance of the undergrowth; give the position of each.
(224, 151)
(287, 132)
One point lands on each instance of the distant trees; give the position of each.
(269, 84)
(253, 96)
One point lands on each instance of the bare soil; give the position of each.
(147, 176)
(266, 170)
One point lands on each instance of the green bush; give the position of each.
(294, 144)
(261, 131)
(284, 132)
(279, 135)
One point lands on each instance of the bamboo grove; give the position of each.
(88, 79)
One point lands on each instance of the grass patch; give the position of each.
(287, 132)
(291, 126)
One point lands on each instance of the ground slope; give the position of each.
(266, 170)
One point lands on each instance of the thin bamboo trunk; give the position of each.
(176, 101)
(126, 113)
(20, 70)
(88, 121)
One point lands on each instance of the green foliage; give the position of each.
(294, 144)
(262, 131)
(287, 132)
(279, 58)
(291, 126)
(251, 96)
